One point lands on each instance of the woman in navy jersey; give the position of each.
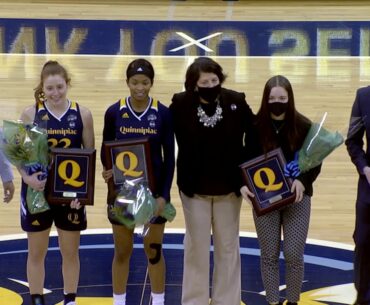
(58, 113)
(133, 117)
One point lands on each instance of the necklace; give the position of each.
(210, 121)
(277, 129)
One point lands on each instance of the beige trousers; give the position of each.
(221, 215)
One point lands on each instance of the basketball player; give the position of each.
(134, 117)
(69, 125)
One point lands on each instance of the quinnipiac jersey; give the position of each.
(129, 124)
(63, 132)
(121, 122)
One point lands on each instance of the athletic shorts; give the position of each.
(63, 216)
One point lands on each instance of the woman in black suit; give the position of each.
(210, 124)
(361, 159)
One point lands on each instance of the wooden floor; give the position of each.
(242, 10)
(97, 82)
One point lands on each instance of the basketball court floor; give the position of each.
(324, 81)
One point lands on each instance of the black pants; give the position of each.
(361, 238)
(362, 253)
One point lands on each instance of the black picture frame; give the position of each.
(134, 162)
(71, 175)
(264, 176)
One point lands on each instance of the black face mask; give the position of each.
(277, 108)
(209, 94)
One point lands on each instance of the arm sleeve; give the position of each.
(6, 172)
(251, 147)
(250, 136)
(109, 130)
(354, 141)
(168, 146)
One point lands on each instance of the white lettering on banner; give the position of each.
(301, 46)
(326, 36)
(195, 42)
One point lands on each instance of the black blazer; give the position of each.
(208, 157)
(360, 125)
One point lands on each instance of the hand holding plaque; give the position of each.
(71, 176)
(129, 159)
(264, 177)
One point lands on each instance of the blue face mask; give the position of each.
(277, 108)
(209, 94)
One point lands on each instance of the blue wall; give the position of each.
(324, 38)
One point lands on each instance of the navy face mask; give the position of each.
(209, 94)
(277, 108)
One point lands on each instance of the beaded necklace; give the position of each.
(210, 121)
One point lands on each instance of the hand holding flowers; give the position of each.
(135, 206)
(26, 147)
(318, 144)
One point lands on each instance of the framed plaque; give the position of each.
(129, 159)
(72, 175)
(264, 176)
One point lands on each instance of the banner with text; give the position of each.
(185, 38)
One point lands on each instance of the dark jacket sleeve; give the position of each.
(357, 128)
(308, 178)
(179, 111)
(250, 147)
(168, 146)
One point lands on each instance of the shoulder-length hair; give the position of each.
(202, 64)
(295, 127)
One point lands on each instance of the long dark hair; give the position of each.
(295, 126)
(51, 67)
(202, 64)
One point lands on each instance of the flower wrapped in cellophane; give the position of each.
(318, 144)
(135, 206)
(26, 147)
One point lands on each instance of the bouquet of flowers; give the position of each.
(135, 206)
(26, 147)
(318, 144)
